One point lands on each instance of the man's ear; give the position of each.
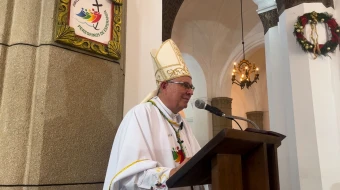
(163, 85)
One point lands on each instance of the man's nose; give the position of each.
(190, 91)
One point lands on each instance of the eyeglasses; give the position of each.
(186, 85)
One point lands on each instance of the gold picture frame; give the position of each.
(65, 34)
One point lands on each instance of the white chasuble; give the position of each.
(146, 148)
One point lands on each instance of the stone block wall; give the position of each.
(219, 123)
(59, 106)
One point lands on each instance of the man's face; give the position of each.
(179, 92)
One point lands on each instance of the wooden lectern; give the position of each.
(234, 160)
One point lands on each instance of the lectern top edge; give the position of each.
(250, 134)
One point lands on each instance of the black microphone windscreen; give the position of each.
(200, 104)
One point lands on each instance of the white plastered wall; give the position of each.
(143, 33)
(199, 120)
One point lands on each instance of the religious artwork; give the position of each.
(313, 46)
(91, 25)
(178, 155)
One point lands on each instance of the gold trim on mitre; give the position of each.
(168, 62)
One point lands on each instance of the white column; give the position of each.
(280, 103)
(314, 104)
(281, 109)
(303, 104)
(143, 33)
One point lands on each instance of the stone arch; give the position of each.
(198, 119)
(170, 9)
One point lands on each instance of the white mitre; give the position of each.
(168, 64)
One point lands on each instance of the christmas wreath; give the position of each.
(313, 46)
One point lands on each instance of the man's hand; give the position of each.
(172, 171)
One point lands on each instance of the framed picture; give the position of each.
(91, 25)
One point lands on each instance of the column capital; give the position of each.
(283, 5)
(269, 19)
(265, 5)
(257, 117)
(219, 123)
(267, 11)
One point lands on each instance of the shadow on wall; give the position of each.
(335, 186)
(75, 147)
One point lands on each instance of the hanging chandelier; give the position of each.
(244, 69)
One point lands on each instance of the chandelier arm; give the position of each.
(237, 82)
(253, 82)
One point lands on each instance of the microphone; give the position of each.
(200, 104)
